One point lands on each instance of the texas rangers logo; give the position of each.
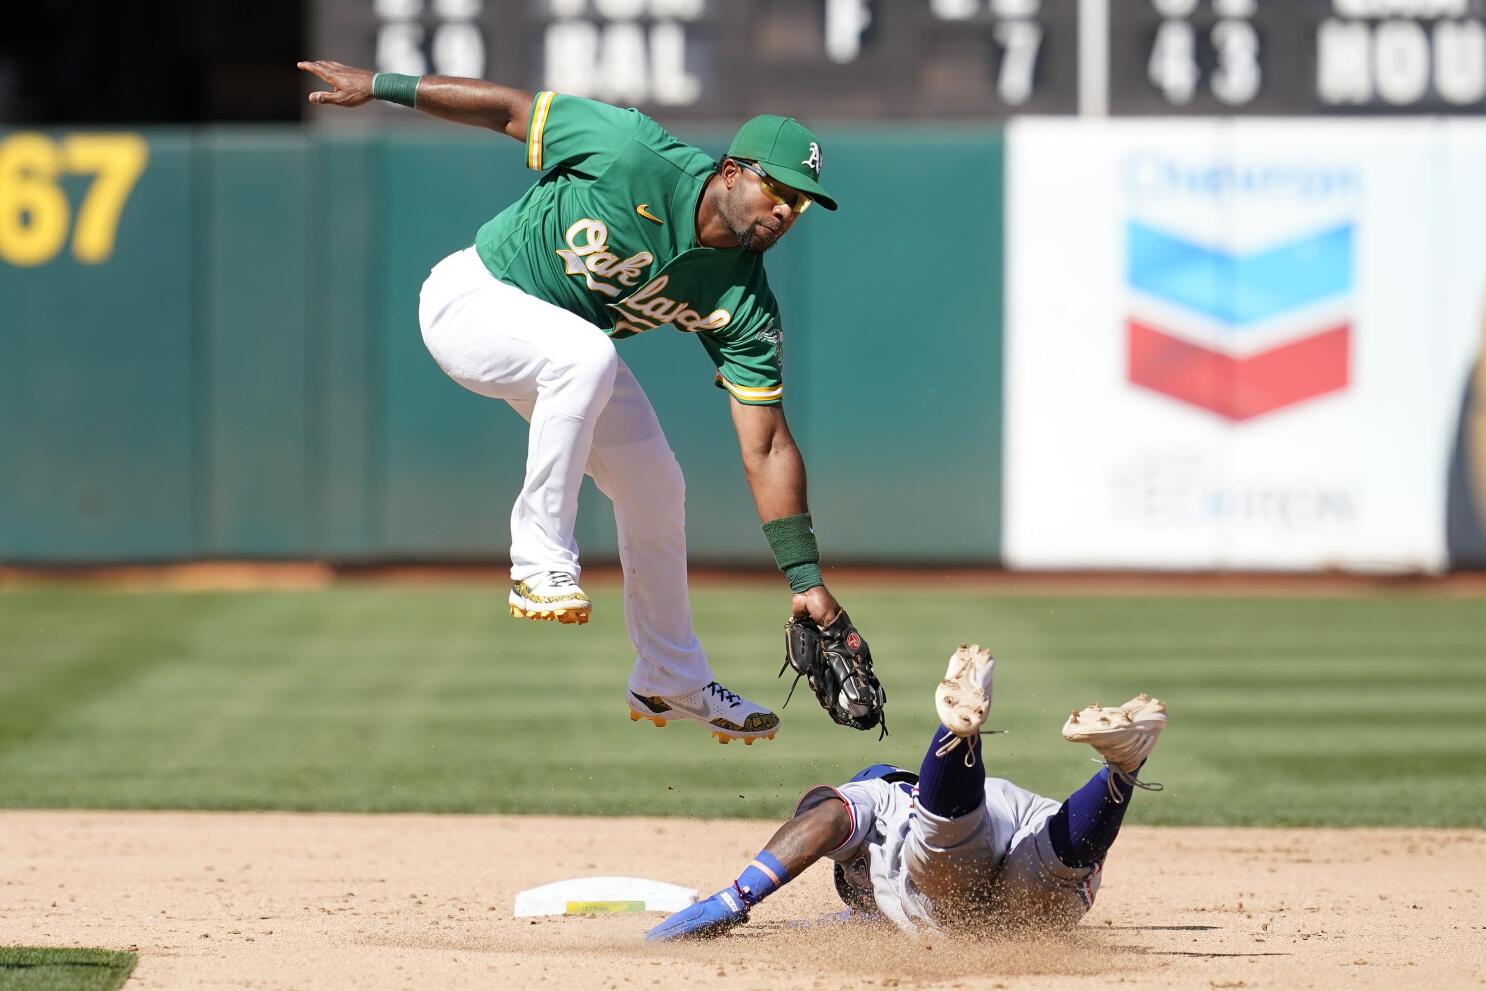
(812, 161)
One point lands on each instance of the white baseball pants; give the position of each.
(589, 415)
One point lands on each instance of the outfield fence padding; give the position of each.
(213, 352)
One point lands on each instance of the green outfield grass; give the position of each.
(1338, 711)
(30, 968)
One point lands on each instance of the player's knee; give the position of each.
(648, 485)
(592, 366)
(582, 380)
(670, 484)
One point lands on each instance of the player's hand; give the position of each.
(349, 86)
(712, 917)
(837, 662)
(818, 603)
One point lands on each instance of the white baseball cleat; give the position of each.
(727, 715)
(963, 698)
(550, 596)
(1124, 736)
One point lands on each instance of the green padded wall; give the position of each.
(896, 347)
(450, 462)
(343, 326)
(244, 377)
(97, 422)
(257, 380)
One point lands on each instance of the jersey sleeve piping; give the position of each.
(540, 107)
(822, 793)
(751, 395)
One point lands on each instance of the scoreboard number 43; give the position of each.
(35, 214)
(1173, 65)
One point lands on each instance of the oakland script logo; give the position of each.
(588, 254)
(603, 271)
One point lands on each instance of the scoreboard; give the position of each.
(1298, 56)
(874, 59)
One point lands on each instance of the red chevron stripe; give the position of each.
(1239, 388)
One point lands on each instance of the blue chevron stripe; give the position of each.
(1239, 289)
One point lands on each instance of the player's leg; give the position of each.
(1051, 873)
(954, 839)
(633, 465)
(558, 370)
(1085, 826)
(951, 778)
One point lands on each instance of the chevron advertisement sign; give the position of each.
(1239, 333)
(1244, 344)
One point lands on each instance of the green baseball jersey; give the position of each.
(609, 233)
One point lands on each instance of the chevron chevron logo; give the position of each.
(1239, 334)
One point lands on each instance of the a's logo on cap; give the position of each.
(813, 161)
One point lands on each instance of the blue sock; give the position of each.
(761, 878)
(1085, 827)
(946, 786)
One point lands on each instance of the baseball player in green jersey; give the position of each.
(629, 229)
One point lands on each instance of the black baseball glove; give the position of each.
(837, 663)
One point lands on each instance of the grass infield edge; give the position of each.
(98, 969)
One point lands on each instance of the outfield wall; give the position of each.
(209, 347)
(1230, 344)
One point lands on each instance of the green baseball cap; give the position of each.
(786, 150)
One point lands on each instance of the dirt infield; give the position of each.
(325, 901)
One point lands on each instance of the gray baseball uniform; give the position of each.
(924, 872)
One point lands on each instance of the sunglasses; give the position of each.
(778, 192)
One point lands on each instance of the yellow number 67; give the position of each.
(34, 212)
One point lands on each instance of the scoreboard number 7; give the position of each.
(34, 210)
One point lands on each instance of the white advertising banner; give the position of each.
(1237, 343)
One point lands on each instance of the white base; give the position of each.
(603, 896)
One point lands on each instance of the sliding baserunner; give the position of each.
(949, 847)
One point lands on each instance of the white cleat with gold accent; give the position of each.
(550, 596)
(727, 715)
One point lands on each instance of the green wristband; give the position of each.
(803, 577)
(792, 539)
(395, 87)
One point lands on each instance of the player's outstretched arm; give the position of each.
(821, 644)
(453, 98)
(776, 476)
(810, 835)
(794, 847)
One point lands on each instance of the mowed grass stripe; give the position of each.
(1338, 710)
(35, 968)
